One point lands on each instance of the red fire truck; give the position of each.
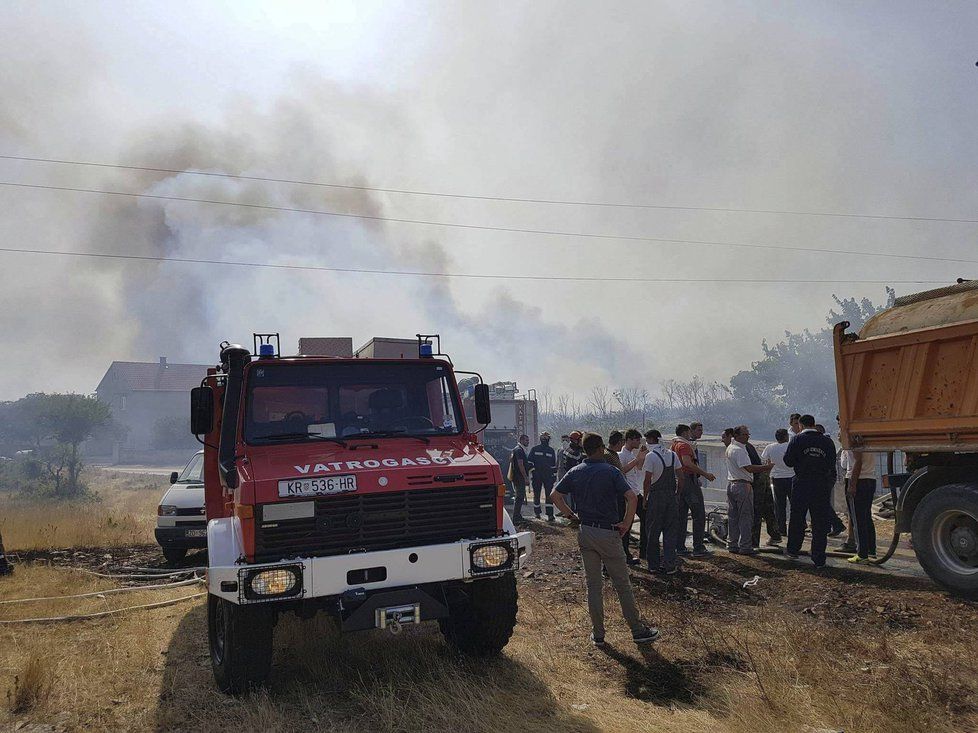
(353, 486)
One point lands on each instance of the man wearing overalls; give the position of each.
(661, 509)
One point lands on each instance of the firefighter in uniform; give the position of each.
(569, 456)
(543, 460)
(812, 455)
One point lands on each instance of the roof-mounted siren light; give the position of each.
(264, 346)
(426, 349)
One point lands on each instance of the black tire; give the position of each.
(174, 555)
(240, 640)
(482, 617)
(945, 537)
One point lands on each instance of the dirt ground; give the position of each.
(838, 649)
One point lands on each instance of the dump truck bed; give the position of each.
(909, 380)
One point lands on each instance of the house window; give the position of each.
(122, 402)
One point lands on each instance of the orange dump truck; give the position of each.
(908, 381)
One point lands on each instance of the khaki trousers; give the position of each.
(603, 546)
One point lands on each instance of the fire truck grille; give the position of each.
(366, 522)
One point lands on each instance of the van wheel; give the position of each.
(482, 617)
(240, 639)
(945, 536)
(174, 555)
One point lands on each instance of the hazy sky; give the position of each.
(865, 108)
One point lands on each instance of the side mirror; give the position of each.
(483, 412)
(201, 410)
(173, 477)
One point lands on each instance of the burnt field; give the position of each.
(841, 649)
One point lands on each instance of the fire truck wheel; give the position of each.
(241, 644)
(945, 537)
(482, 617)
(174, 555)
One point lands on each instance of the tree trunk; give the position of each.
(73, 470)
(5, 567)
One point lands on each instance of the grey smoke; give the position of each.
(866, 108)
(185, 311)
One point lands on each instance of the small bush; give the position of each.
(32, 686)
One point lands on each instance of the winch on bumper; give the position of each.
(353, 578)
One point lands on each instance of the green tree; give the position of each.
(54, 426)
(797, 374)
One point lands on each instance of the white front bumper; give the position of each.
(407, 566)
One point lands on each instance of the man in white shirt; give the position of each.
(632, 457)
(740, 492)
(781, 476)
(794, 422)
(659, 486)
(861, 473)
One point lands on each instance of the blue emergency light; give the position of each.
(424, 350)
(266, 350)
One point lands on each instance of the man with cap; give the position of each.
(543, 460)
(569, 456)
(596, 487)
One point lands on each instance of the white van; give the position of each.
(181, 522)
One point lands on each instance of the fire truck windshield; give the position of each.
(293, 402)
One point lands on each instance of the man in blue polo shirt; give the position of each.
(596, 487)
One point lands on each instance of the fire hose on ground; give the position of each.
(717, 514)
(102, 614)
(195, 580)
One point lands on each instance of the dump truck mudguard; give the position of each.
(922, 482)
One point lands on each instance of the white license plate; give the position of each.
(196, 533)
(317, 486)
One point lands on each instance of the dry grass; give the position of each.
(729, 661)
(122, 513)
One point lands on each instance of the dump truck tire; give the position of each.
(945, 537)
(481, 622)
(174, 555)
(240, 640)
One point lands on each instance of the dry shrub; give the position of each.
(32, 684)
(123, 513)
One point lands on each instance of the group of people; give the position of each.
(798, 472)
(604, 486)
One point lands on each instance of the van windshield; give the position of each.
(296, 402)
(193, 472)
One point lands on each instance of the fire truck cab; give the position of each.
(352, 486)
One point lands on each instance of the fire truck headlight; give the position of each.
(491, 557)
(277, 582)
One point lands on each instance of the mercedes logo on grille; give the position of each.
(354, 520)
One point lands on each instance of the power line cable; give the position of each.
(482, 227)
(475, 197)
(469, 275)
